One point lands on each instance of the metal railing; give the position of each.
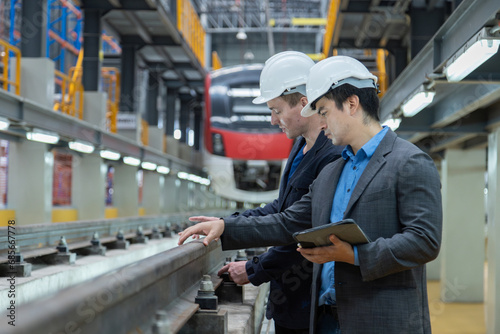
(188, 23)
(111, 84)
(6, 51)
(71, 95)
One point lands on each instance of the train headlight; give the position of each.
(218, 144)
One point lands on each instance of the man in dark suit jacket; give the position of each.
(387, 185)
(282, 86)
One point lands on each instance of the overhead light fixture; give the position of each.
(194, 178)
(4, 123)
(392, 123)
(474, 53)
(42, 136)
(417, 102)
(241, 35)
(183, 175)
(148, 165)
(110, 155)
(81, 146)
(163, 170)
(131, 161)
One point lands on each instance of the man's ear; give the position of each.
(303, 101)
(353, 104)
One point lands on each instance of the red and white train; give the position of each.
(244, 153)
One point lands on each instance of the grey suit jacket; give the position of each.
(397, 202)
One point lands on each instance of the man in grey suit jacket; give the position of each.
(386, 184)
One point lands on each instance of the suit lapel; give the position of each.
(373, 167)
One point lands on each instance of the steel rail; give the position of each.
(42, 239)
(126, 300)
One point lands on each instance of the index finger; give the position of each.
(186, 234)
(223, 270)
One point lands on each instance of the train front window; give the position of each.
(232, 109)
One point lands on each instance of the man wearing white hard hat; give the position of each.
(384, 183)
(283, 88)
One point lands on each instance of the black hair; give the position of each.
(367, 98)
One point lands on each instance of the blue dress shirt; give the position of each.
(296, 162)
(354, 167)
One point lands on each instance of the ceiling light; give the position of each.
(4, 123)
(110, 155)
(417, 102)
(475, 52)
(81, 146)
(183, 175)
(43, 136)
(148, 165)
(131, 161)
(163, 170)
(241, 35)
(194, 178)
(392, 123)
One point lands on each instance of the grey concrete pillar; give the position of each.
(152, 90)
(127, 70)
(170, 194)
(91, 44)
(462, 250)
(31, 171)
(126, 190)
(33, 28)
(151, 193)
(87, 186)
(493, 247)
(170, 115)
(33, 72)
(184, 118)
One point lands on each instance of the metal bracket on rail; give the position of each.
(229, 291)
(167, 232)
(209, 318)
(155, 233)
(161, 324)
(16, 265)
(121, 242)
(140, 238)
(63, 256)
(97, 248)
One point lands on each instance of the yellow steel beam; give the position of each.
(309, 21)
(333, 12)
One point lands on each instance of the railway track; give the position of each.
(156, 294)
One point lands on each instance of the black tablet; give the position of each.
(346, 230)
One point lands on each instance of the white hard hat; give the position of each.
(333, 72)
(284, 73)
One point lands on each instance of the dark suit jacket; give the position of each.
(289, 302)
(397, 202)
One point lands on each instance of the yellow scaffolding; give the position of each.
(111, 85)
(71, 97)
(381, 70)
(333, 12)
(188, 23)
(216, 62)
(5, 51)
